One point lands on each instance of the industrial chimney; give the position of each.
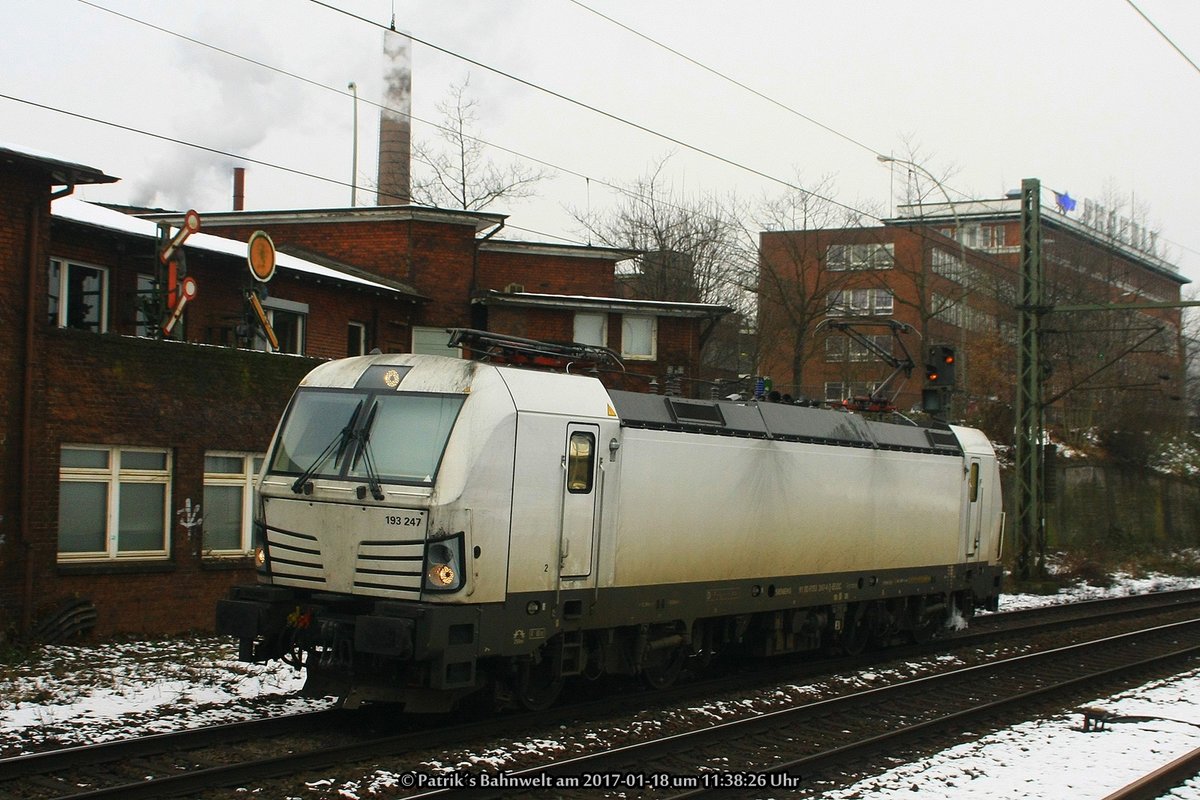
(239, 188)
(395, 121)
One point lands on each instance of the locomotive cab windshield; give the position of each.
(414, 426)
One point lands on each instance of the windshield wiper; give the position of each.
(363, 437)
(340, 442)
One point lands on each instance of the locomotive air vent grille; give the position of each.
(295, 556)
(390, 567)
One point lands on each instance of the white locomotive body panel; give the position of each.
(717, 508)
(429, 524)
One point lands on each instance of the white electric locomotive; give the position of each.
(429, 527)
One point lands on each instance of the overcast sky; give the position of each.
(1084, 95)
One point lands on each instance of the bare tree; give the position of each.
(691, 249)
(457, 174)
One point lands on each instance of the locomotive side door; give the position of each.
(580, 489)
(973, 514)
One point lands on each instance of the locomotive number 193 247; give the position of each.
(409, 520)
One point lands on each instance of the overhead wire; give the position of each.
(728, 79)
(236, 156)
(863, 213)
(599, 111)
(1163, 34)
(383, 107)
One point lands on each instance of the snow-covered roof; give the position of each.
(75, 210)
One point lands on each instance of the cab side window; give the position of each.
(581, 462)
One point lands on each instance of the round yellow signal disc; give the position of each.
(261, 255)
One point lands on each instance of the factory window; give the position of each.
(860, 302)
(434, 342)
(638, 337)
(78, 296)
(356, 339)
(288, 319)
(833, 391)
(581, 463)
(835, 347)
(840, 257)
(229, 501)
(591, 329)
(113, 502)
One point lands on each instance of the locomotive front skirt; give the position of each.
(430, 527)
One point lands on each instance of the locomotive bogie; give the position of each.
(430, 527)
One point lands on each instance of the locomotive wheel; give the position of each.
(537, 685)
(661, 667)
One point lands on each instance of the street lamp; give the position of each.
(353, 87)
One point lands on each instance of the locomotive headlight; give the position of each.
(443, 560)
(262, 559)
(442, 575)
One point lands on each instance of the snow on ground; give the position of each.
(1055, 757)
(75, 694)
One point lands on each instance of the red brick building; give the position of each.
(950, 274)
(128, 457)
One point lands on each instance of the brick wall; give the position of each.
(546, 274)
(436, 258)
(114, 390)
(23, 200)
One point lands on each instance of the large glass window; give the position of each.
(840, 257)
(399, 437)
(229, 501)
(591, 329)
(78, 296)
(113, 502)
(860, 302)
(638, 336)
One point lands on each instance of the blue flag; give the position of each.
(1064, 202)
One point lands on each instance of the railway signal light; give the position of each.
(939, 365)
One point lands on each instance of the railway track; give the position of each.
(192, 762)
(811, 747)
(1162, 780)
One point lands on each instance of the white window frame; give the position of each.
(420, 342)
(626, 331)
(246, 479)
(58, 290)
(114, 476)
(842, 257)
(585, 316)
